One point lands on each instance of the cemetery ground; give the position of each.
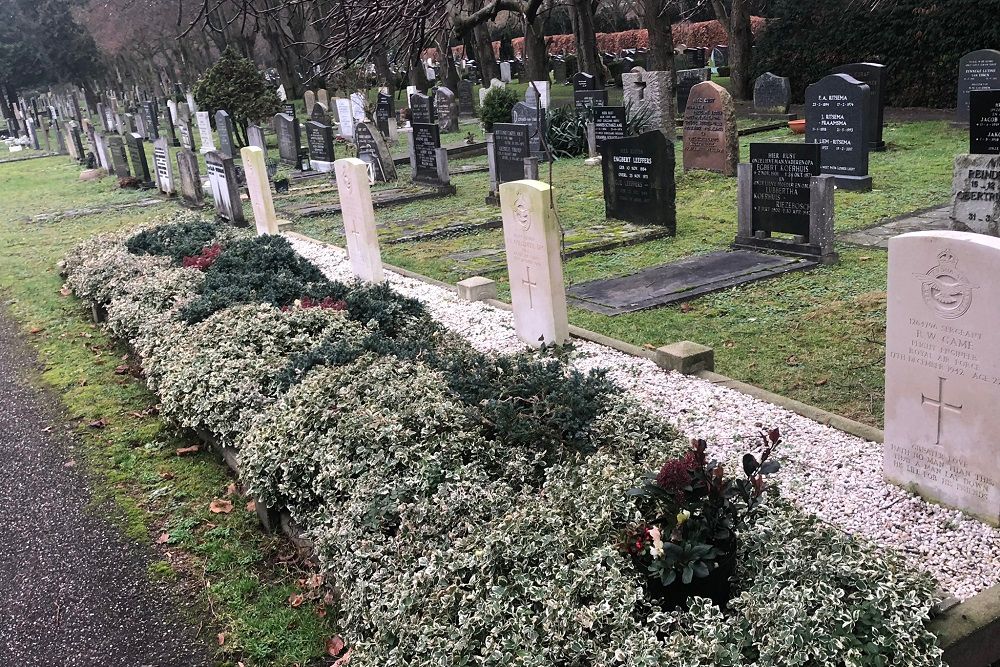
(236, 587)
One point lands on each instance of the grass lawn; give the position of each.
(817, 336)
(238, 580)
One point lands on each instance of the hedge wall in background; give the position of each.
(920, 43)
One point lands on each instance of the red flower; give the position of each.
(204, 259)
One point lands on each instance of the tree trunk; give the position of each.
(535, 59)
(740, 53)
(485, 57)
(586, 40)
(657, 17)
(383, 71)
(418, 75)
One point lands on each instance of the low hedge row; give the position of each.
(468, 507)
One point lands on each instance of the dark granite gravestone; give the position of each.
(872, 75)
(680, 281)
(422, 109)
(781, 191)
(465, 104)
(837, 111)
(720, 56)
(510, 146)
(686, 80)
(320, 113)
(288, 109)
(588, 99)
(609, 123)
(190, 180)
(695, 56)
(584, 81)
(639, 180)
(289, 139)
(447, 109)
(119, 159)
(984, 122)
(224, 128)
(137, 155)
(772, 94)
(383, 112)
(559, 70)
(225, 189)
(426, 141)
(978, 70)
(319, 138)
(534, 118)
(151, 121)
(373, 151)
(77, 139)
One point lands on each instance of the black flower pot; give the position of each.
(281, 185)
(715, 586)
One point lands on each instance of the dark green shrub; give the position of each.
(185, 239)
(566, 128)
(919, 42)
(234, 84)
(497, 106)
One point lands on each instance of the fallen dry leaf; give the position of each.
(36, 330)
(181, 451)
(231, 489)
(251, 506)
(98, 423)
(163, 538)
(296, 600)
(334, 646)
(69, 464)
(166, 474)
(321, 612)
(65, 291)
(821, 382)
(345, 660)
(685, 307)
(121, 370)
(220, 506)
(221, 638)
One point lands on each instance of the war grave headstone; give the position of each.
(259, 188)
(151, 121)
(609, 123)
(373, 151)
(189, 179)
(942, 370)
(534, 118)
(359, 219)
(309, 99)
(534, 265)
(289, 139)
(319, 138)
(984, 122)
(345, 118)
(975, 193)
(225, 190)
(162, 167)
(421, 109)
(651, 93)
(383, 113)
(782, 190)
(836, 117)
(205, 131)
(224, 128)
(511, 145)
(772, 95)
(137, 156)
(872, 75)
(638, 175)
(711, 141)
(686, 80)
(447, 109)
(978, 70)
(119, 159)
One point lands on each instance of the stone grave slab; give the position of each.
(686, 80)
(259, 189)
(359, 220)
(373, 152)
(937, 217)
(534, 118)
(510, 146)
(384, 112)
(345, 117)
(772, 95)
(651, 92)
(205, 138)
(163, 168)
(225, 191)
(319, 138)
(286, 126)
(189, 177)
(679, 281)
(224, 128)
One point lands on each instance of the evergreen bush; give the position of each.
(497, 107)
(235, 85)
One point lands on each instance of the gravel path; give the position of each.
(73, 591)
(825, 472)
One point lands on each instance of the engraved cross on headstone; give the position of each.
(941, 405)
(640, 86)
(527, 283)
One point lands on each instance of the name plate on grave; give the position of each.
(782, 174)
(426, 140)
(510, 147)
(609, 123)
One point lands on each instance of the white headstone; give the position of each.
(534, 266)
(359, 219)
(345, 117)
(259, 187)
(162, 166)
(505, 72)
(102, 152)
(942, 369)
(172, 110)
(543, 91)
(192, 106)
(205, 131)
(282, 95)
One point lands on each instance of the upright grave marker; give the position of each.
(510, 146)
(588, 99)
(638, 177)
(383, 113)
(651, 93)
(345, 118)
(205, 131)
(224, 127)
(428, 160)
(161, 163)
(465, 105)
(534, 118)
(225, 191)
(259, 188)
(534, 266)
(119, 159)
(984, 122)
(151, 121)
(289, 139)
(255, 136)
(421, 109)
(319, 137)
(373, 152)
(781, 191)
(447, 109)
(710, 138)
(872, 75)
(359, 219)
(836, 118)
(686, 80)
(137, 154)
(772, 95)
(942, 370)
(190, 179)
(975, 192)
(978, 70)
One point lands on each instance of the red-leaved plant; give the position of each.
(204, 259)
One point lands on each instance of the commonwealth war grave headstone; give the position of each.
(359, 219)
(259, 189)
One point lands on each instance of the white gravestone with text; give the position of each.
(942, 370)
(205, 131)
(359, 219)
(259, 187)
(534, 266)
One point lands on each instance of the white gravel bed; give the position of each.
(825, 472)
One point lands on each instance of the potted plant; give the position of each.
(693, 514)
(280, 180)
